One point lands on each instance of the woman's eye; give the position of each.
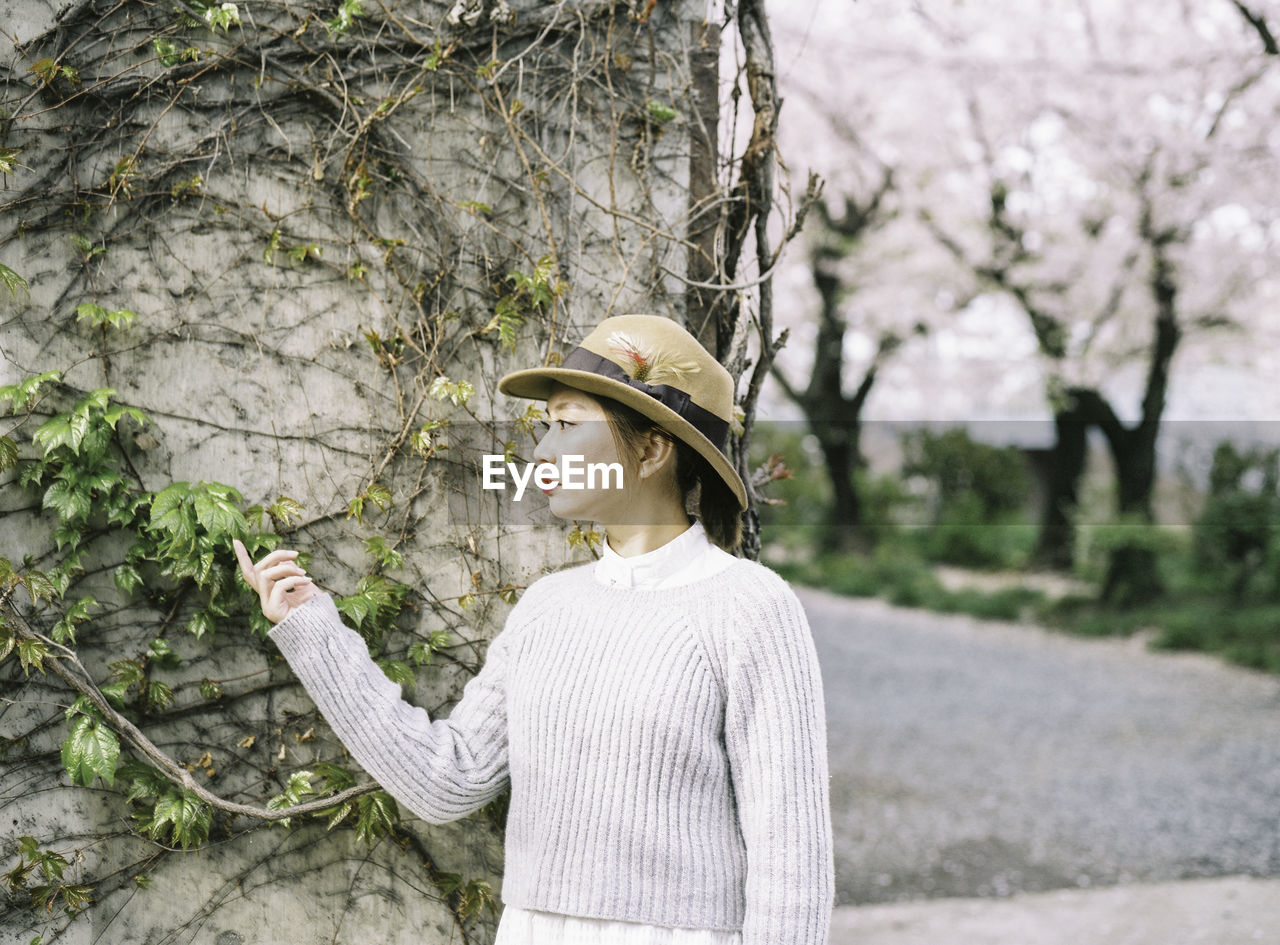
(547, 426)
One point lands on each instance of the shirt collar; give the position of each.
(652, 566)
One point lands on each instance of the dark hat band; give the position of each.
(704, 421)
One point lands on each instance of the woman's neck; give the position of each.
(631, 540)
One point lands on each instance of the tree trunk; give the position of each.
(1055, 547)
(1132, 574)
(839, 443)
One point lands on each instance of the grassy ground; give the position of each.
(1194, 615)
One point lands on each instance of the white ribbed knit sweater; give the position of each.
(666, 749)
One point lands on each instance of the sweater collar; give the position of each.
(652, 566)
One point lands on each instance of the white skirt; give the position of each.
(534, 927)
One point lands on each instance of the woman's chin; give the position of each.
(561, 507)
(573, 506)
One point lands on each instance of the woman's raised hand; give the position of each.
(280, 583)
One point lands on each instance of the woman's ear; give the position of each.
(659, 452)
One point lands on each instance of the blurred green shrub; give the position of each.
(1237, 535)
(805, 497)
(958, 466)
(980, 494)
(1096, 542)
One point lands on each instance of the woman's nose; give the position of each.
(541, 454)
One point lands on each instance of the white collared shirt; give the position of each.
(689, 556)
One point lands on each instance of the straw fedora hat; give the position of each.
(656, 367)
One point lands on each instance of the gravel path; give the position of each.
(977, 759)
(1234, 910)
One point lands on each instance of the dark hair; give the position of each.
(705, 494)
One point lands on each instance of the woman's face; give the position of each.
(578, 427)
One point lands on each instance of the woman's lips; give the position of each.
(551, 490)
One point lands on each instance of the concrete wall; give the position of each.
(258, 374)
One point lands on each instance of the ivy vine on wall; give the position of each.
(263, 264)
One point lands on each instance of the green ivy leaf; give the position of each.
(64, 629)
(375, 603)
(284, 510)
(38, 586)
(221, 16)
(66, 429)
(347, 13)
(398, 672)
(456, 392)
(210, 689)
(438, 54)
(127, 672)
(144, 780)
(160, 653)
(50, 863)
(376, 493)
(358, 607)
(8, 453)
(273, 243)
(75, 896)
(32, 474)
(337, 814)
(381, 552)
(421, 652)
(304, 253)
(92, 311)
(376, 814)
(115, 693)
(9, 160)
(60, 576)
(201, 622)
(23, 394)
(172, 516)
(217, 511)
(335, 778)
(183, 817)
(13, 282)
(32, 653)
(379, 495)
(101, 479)
(98, 398)
(299, 785)
(159, 694)
(662, 113)
(71, 504)
(127, 577)
(91, 749)
(113, 414)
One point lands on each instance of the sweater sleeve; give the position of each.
(440, 769)
(775, 736)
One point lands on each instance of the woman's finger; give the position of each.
(280, 599)
(303, 593)
(250, 571)
(246, 563)
(277, 556)
(282, 570)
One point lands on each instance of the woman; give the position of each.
(657, 713)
